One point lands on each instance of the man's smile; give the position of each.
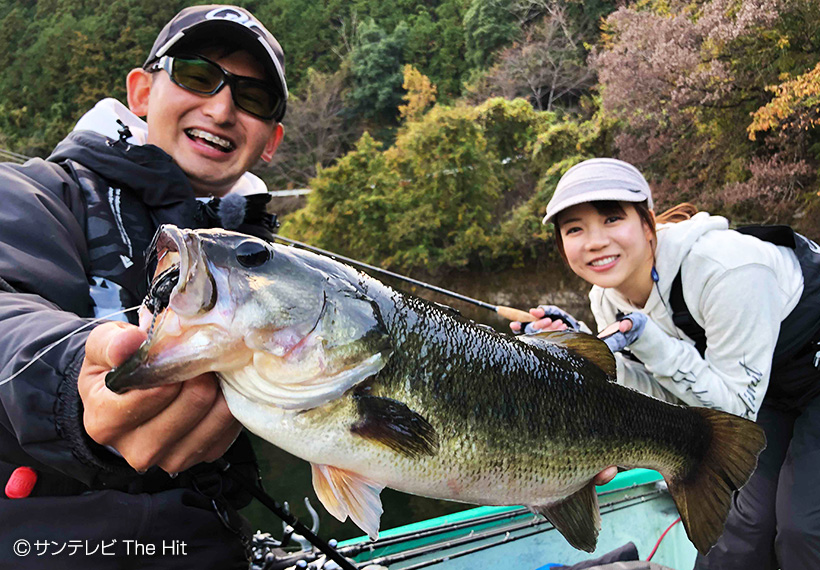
(210, 139)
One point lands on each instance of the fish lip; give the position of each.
(192, 264)
(170, 238)
(118, 380)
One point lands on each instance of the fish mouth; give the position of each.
(183, 288)
(182, 280)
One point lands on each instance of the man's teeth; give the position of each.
(603, 261)
(211, 138)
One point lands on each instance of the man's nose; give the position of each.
(220, 106)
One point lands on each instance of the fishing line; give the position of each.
(45, 350)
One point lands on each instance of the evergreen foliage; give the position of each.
(377, 64)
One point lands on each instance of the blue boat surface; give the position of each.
(635, 507)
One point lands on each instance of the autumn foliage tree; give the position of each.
(419, 95)
(685, 78)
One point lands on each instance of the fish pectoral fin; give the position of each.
(577, 517)
(344, 493)
(585, 345)
(393, 424)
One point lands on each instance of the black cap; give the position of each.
(218, 20)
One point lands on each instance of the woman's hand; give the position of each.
(605, 476)
(549, 318)
(624, 331)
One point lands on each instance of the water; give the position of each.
(288, 478)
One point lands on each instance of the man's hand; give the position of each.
(174, 426)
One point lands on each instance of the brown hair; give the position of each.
(673, 215)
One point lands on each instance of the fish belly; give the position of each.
(460, 471)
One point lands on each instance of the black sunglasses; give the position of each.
(200, 75)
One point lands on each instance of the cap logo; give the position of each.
(232, 15)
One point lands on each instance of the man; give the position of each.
(124, 481)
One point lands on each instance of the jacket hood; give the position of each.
(105, 117)
(675, 241)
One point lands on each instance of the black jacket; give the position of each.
(73, 232)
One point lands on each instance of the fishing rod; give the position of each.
(508, 313)
(271, 503)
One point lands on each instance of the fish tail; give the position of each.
(703, 495)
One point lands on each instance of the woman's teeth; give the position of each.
(603, 261)
(223, 144)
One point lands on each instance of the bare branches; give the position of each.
(547, 66)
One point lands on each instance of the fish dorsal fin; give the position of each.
(393, 424)
(585, 345)
(577, 517)
(347, 494)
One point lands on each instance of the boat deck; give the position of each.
(635, 506)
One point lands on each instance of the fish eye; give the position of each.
(252, 253)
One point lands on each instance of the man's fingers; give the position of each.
(192, 451)
(625, 326)
(207, 441)
(149, 441)
(107, 416)
(110, 344)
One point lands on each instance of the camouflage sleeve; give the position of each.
(42, 257)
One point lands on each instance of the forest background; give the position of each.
(432, 133)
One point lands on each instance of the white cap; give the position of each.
(599, 179)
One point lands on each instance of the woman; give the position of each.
(755, 307)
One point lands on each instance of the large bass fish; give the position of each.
(378, 388)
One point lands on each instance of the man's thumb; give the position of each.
(111, 344)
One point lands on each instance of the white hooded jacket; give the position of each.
(738, 288)
(102, 119)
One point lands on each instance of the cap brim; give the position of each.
(607, 195)
(234, 32)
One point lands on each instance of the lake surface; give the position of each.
(288, 478)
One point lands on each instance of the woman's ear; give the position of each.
(649, 232)
(138, 88)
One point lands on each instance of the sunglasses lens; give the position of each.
(196, 75)
(252, 96)
(256, 99)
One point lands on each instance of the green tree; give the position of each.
(462, 187)
(377, 63)
(489, 25)
(349, 208)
